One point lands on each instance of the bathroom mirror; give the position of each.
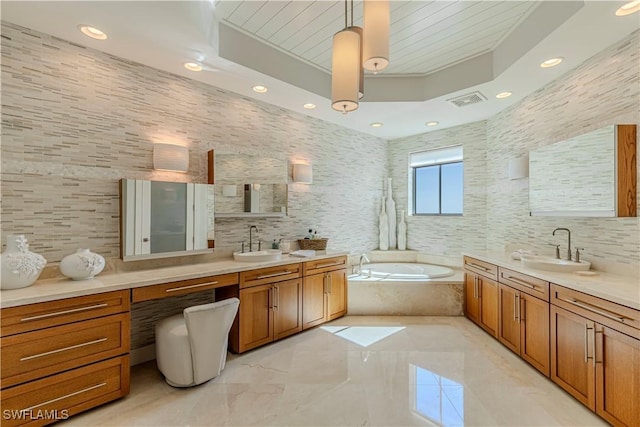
(164, 219)
(250, 186)
(590, 175)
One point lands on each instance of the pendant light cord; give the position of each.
(352, 13)
(345, 14)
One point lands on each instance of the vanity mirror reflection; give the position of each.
(590, 175)
(250, 186)
(164, 219)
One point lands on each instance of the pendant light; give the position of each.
(376, 35)
(346, 67)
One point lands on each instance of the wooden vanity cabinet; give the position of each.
(64, 356)
(324, 291)
(270, 307)
(481, 294)
(595, 354)
(524, 317)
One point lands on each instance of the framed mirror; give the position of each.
(250, 186)
(590, 175)
(164, 219)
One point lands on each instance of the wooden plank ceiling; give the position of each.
(425, 35)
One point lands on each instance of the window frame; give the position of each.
(414, 189)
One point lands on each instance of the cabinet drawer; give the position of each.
(326, 264)
(183, 287)
(60, 396)
(37, 354)
(269, 275)
(54, 313)
(527, 284)
(481, 267)
(615, 316)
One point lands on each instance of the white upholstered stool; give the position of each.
(191, 348)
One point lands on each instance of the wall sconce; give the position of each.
(519, 168)
(302, 173)
(169, 157)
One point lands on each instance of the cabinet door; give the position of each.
(617, 377)
(255, 316)
(534, 341)
(314, 300)
(509, 318)
(337, 294)
(572, 355)
(488, 305)
(287, 308)
(471, 300)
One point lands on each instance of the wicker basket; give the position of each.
(315, 244)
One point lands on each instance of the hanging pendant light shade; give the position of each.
(345, 70)
(361, 78)
(376, 35)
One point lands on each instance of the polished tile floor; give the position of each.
(358, 371)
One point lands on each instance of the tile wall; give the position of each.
(602, 91)
(75, 121)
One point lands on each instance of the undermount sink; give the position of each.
(554, 264)
(257, 256)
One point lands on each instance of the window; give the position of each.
(436, 181)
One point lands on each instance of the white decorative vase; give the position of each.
(391, 214)
(384, 228)
(20, 267)
(402, 233)
(83, 264)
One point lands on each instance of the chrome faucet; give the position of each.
(569, 242)
(251, 228)
(363, 258)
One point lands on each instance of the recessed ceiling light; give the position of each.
(433, 123)
(629, 8)
(92, 32)
(503, 95)
(551, 62)
(309, 106)
(193, 66)
(376, 125)
(260, 89)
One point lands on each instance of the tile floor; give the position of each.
(358, 371)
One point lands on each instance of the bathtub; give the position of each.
(409, 289)
(405, 271)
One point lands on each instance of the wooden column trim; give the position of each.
(627, 170)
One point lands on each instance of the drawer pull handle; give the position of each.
(266, 276)
(48, 353)
(181, 288)
(594, 310)
(57, 399)
(331, 264)
(60, 313)
(481, 267)
(521, 282)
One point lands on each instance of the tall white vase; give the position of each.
(402, 233)
(20, 267)
(384, 228)
(391, 214)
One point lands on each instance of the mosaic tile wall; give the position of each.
(602, 91)
(75, 121)
(445, 235)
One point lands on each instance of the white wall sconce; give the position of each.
(169, 157)
(519, 168)
(302, 173)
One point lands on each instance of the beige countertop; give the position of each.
(624, 290)
(54, 289)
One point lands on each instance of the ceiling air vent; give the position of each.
(468, 99)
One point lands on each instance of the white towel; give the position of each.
(303, 254)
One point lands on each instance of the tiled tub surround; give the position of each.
(76, 120)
